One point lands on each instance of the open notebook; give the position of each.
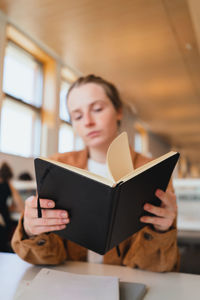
(104, 212)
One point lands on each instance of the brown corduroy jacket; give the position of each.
(146, 249)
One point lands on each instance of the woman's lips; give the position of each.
(93, 133)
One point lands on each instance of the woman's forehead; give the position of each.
(85, 95)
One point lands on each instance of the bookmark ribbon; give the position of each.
(39, 210)
(118, 251)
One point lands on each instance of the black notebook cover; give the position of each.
(101, 216)
(134, 193)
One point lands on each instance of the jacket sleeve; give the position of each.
(154, 251)
(41, 249)
(46, 248)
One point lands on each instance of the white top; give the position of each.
(99, 169)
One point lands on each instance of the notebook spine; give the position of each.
(115, 196)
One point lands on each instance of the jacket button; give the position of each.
(41, 242)
(148, 236)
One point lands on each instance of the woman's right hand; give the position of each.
(52, 219)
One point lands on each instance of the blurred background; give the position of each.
(148, 48)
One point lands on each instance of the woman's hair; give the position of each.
(109, 88)
(5, 172)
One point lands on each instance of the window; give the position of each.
(68, 141)
(138, 142)
(22, 77)
(21, 107)
(19, 129)
(66, 138)
(141, 139)
(64, 114)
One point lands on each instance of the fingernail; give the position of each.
(50, 204)
(65, 220)
(64, 214)
(159, 192)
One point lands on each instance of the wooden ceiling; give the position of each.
(148, 48)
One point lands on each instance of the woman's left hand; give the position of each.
(164, 214)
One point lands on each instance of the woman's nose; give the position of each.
(88, 120)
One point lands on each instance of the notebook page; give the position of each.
(83, 172)
(147, 166)
(118, 158)
(59, 285)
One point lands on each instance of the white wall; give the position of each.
(18, 164)
(157, 146)
(127, 124)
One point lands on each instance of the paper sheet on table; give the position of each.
(52, 284)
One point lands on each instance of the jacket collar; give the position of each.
(80, 158)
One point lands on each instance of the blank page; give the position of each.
(59, 285)
(119, 159)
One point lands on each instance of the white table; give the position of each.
(188, 200)
(188, 222)
(163, 286)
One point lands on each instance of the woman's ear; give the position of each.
(119, 114)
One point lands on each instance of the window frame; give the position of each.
(36, 109)
(61, 121)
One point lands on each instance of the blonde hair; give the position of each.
(109, 88)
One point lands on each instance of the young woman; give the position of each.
(96, 111)
(7, 225)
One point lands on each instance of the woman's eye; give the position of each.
(77, 117)
(97, 108)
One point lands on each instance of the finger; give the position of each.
(41, 229)
(54, 213)
(159, 211)
(44, 203)
(46, 213)
(168, 198)
(172, 197)
(50, 222)
(164, 222)
(29, 201)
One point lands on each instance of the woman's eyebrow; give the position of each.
(92, 103)
(97, 101)
(76, 110)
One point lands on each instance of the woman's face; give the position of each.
(93, 115)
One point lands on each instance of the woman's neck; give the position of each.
(98, 154)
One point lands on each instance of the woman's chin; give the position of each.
(96, 142)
